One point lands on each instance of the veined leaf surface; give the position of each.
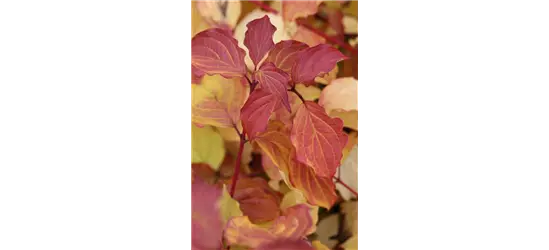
(314, 61)
(293, 225)
(256, 112)
(318, 139)
(217, 101)
(215, 51)
(259, 38)
(275, 81)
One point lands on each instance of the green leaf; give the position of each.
(207, 146)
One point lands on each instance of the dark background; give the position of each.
(7, 8)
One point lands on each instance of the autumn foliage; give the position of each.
(274, 124)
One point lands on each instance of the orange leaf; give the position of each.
(257, 200)
(292, 226)
(318, 190)
(318, 139)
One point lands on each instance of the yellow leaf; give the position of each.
(351, 243)
(228, 206)
(319, 246)
(350, 118)
(217, 101)
(350, 24)
(219, 12)
(309, 93)
(207, 146)
(328, 78)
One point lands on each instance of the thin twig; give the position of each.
(237, 164)
(346, 186)
(297, 93)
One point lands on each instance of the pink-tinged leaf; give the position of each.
(318, 139)
(196, 75)
(308, 37)
(270, 168)
(207, 227)
(275, 81)
(256, 112)
(314, 61)
(259, 38)
(319, 191)
(215, 51)
(296, 9)
(291, 226)
(285, 54)
(287, 245)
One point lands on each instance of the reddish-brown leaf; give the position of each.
(256, 112)
(275, 81)
(318, 139)
(215, 51)
(257, 200)
(287, 245)
(259, 38)
(314, 61)
(318, 190)
(207, 227)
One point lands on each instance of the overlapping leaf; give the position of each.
(256, 112)
(259, 38)
(318, 190)
(287, 245)
(219, 13)
(275, 81)
(207, 227)
(293, 225)
(240, 30)
(285, 53)
(318, 139)
(340, 94)
(314, 61)
(215, 51)
(292, 10)
(257, 200)
(217, 101)
(349, 174)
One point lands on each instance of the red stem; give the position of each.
(237, 164)
(298, 94)
(311, 28)
(346, 186)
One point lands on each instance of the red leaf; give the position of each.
(314, 61)
(285, 54)
(215, 51)
(256, 112)
(207, 227)
(287, 245)
(259, 38)
(318, 139)
(274, 81)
